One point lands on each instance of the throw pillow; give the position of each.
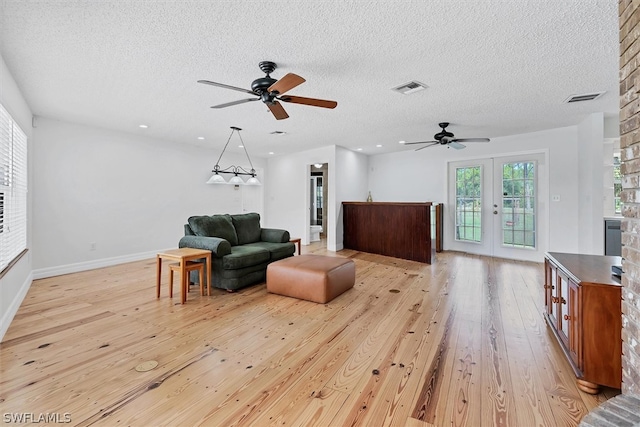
(219, 226)
(247, 227)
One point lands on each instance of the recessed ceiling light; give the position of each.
(359, 149)
(201, 137)
(402, 142)
(271, 152)
(240, 146)
(318, 165)
(143, 126)
(379, 145)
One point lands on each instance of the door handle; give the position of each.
(495, 212)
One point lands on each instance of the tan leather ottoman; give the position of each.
(314, 278)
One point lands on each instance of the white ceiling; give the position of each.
(493, 67)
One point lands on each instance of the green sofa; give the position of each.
(240, 248)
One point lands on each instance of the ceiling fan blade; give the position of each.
(422, 148)
(310, 101)
(286, 83)
(421, 142)
(457, 146)
(239, 89)
(277, 110)
(470, 140)
(229, 104)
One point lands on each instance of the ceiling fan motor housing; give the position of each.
(261, 85)
(438, 136)
(443, 133)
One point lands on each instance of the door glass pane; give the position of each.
(518, 204)
(468, 197)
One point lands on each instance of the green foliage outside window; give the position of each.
(617, 184)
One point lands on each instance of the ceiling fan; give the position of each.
(270, 91)
(447, 138)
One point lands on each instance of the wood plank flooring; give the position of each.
(463, 343)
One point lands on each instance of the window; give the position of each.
(518, 204)
(13, 189)
(468, 204)
(617, 184)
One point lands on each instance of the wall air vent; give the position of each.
(411, 87)
(583, 97)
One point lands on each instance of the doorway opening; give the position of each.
(318, 196)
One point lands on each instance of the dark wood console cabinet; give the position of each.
(401, 230)
(583, 308)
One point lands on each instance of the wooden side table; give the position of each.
(183, 255)
(297, 241)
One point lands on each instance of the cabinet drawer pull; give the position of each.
(563, 301)
(567, 317)
(554, 300)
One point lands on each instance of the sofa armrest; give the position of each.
(218, 247)
(274, 235)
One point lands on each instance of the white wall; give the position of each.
(127, 194)
(410, 176)
(590, 157)
(351, 180)
(287, 195)
(16, 282)
(612, 126)
(421, 176)
(288, 191)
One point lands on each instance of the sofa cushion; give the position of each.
(214, 226)
(247, 227)
(245, 256)
(276, 250)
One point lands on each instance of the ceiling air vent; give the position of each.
(411, 87)
(583, 97)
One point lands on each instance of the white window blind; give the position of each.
(13, 189)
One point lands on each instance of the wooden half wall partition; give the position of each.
(397, 229)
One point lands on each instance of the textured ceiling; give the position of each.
(492, 68)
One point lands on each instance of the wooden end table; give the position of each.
(183, 255)
(296, 241)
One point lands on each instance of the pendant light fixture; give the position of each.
(236, 171)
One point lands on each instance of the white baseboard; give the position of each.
(7, 316)
(43, 273)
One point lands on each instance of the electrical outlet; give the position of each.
(555, 198)
(92, 246)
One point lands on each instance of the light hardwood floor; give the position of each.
(463, 342)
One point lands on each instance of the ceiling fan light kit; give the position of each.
(270, 91)
(444, 137)
(236, 171)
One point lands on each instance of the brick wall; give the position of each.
(630, 156)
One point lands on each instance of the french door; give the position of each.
(497, 206)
